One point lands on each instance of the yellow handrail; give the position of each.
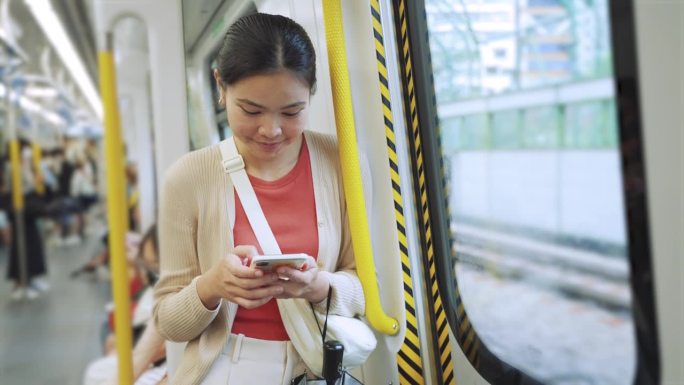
(351, 170)
(116, 214)
(15, 164)
(38, 170)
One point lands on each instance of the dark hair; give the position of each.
(150, 236)
(261, 43)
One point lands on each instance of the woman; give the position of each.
(35, 264)
(207, 295)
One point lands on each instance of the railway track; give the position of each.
(600, 278)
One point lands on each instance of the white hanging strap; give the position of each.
(234, 166)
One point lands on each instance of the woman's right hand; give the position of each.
(232, 278)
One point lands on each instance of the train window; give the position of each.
(526, 102)
(204, 26)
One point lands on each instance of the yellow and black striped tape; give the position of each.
(441, 326)
(409, 359)
(465, 334)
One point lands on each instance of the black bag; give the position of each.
(5, 201)
(35, 205)
(346, 379)
(61, 206)
(333, 351)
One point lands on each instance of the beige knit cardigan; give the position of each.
(195, 231)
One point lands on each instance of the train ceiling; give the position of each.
(49, 93)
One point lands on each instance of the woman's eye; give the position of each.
(248, 112)
(292, 114)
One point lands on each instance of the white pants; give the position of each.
(103, 371)
(247, 360)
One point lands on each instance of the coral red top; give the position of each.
(290, 209)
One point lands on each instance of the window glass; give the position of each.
(465, 133)
(587, 125)
(506, 129)
(475, 132)
(452, 135)
(528, 128)
(541, 127)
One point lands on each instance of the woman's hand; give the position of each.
(308, 284)
(232, 278)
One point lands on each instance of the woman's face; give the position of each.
(267, 114)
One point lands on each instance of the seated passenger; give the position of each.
(101, 258)
(207, 294)
(149, 352)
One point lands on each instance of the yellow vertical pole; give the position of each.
(37, 169)
(15, 164)
(116, 214)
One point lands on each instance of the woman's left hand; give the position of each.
(308, 284)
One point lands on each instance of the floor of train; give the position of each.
(51, 339)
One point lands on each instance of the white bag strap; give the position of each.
(360, 341)
(234, 166)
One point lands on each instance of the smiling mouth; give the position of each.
(269, 146)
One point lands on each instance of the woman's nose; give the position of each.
(270, 127)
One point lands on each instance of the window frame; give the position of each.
(491, 367)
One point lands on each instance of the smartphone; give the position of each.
(269, 263)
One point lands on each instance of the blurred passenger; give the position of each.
(63, 207)
(69, 206)
(92, 156)
(51, 165)
(66, 169)
(149, 352)
(83, 190)
(143, 269)
(5, 206)
(101, 259)
(47, 170)
(35, 257)
(133, 196)
(5, 230)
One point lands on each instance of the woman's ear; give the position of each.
(219, 85)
